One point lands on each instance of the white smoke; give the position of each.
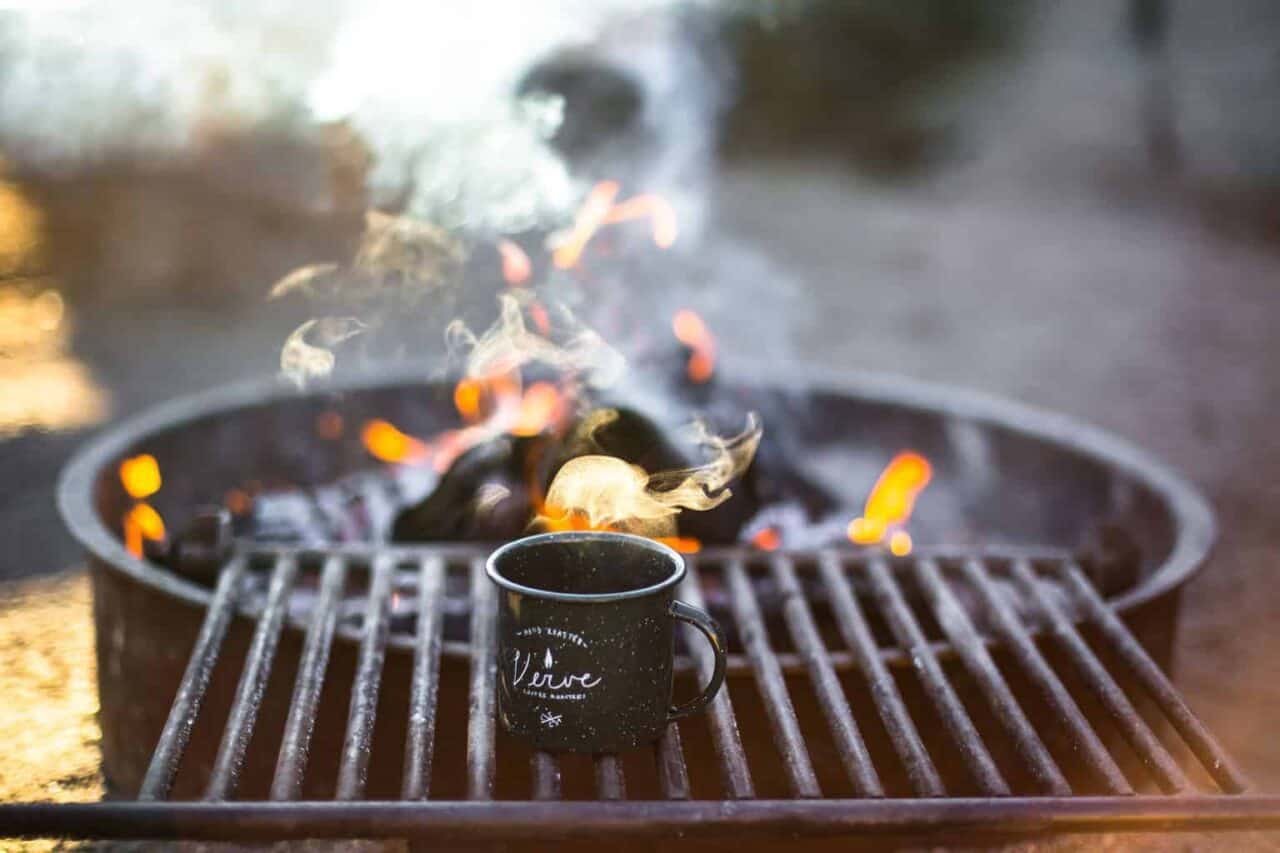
(82, 80)
(427, 86)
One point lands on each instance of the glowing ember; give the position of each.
(768, 539)
(142, 523)
(516, 267)
(238, 501)
(386, 442)
(691, 331)
(140, 476)
(891, 502)
(329, 426)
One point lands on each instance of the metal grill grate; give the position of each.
(949, 689)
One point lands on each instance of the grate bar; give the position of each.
(888, 822)
(777, 701)
(420, 736)
(724, 723)
(611, 782)
(969, 645)
(195, 681)
(826, 684)
(296, 743)
(1202, 743)
(1010, 629)
(1063, 607)
(354, 768)
(920, 771)
(253, 683)
(1149, 748)
(673, 775)
(546, 776)
(941, 693)
(480, 731)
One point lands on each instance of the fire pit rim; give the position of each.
(1195, 528)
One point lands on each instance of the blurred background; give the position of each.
(1076, 204)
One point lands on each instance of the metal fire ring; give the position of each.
(1195, 529)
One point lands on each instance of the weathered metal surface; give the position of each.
(1009, 817)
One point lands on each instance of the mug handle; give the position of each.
(701, 620)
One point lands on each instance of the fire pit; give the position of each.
(874, 675)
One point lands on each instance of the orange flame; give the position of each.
(491, 406)
(683, 544)
(891, 502)
(467, 398)
(691, 331)
(768, 539)
(900, 543)
(591, 216)
(142, 523)
(386, 442)
(140, 476)
(553, 520)
(488, 398)
(541, 319)
(516, 266)
(539, 408)
(600, 209)
(657, 208)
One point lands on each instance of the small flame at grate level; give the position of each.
(140, 476)
(891, 502)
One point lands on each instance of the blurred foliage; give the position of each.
(864, 78)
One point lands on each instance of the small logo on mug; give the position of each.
(551, 720)
(545, 682)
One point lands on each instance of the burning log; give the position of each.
(606, 482)
(483, 497)
(597, 476)
(493, 491)
(629, 435)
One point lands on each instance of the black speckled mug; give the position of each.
(585, 640)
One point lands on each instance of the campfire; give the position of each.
(553, 429)
(881, 542)
(885, 543)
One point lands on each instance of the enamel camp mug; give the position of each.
(586, 640)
